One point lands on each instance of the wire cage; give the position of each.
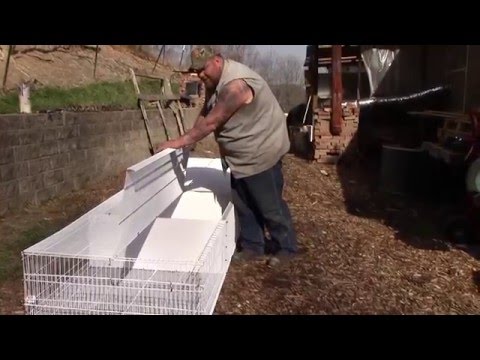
(118, 260)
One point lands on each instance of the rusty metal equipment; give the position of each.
(333, 88)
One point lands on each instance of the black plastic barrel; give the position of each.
(402, 170)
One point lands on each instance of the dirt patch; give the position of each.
(73, 66)
(359, 256)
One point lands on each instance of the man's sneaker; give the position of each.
(280, 259)
(247, 255)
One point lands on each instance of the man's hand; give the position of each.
(170, 144)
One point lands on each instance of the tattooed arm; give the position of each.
(232, 97)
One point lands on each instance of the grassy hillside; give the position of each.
(118, 94)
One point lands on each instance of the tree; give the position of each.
(267, 67)
(290, 86)
(241, 53)
(290, 70)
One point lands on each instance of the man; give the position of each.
(250, 129)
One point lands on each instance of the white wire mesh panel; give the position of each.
(76, 285)
(117, 260)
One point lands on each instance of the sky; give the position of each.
(296, 50)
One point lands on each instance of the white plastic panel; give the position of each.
(198, 205)
(173, 241)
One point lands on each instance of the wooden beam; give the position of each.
(337, 91)
(95, 63)
(162, 50)
(10, 50)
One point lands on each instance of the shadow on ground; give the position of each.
(420, 211)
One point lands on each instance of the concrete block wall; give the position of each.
(46, 155)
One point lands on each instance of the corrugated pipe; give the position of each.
(401, 100)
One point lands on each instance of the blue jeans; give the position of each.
(259, 204)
